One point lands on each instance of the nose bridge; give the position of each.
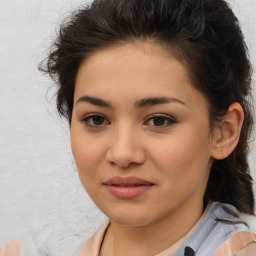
(124, 134)
(125, 147)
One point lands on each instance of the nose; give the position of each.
(125, 148)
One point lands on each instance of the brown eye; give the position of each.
(95, 120)
(98, 120)
(160, 120)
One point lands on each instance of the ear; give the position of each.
(227, 132)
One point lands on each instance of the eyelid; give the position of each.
(84, 119)
(171, 120)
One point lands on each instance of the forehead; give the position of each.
(143, 54)
(140, 68)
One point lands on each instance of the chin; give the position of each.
(133, 218)
(131, 222)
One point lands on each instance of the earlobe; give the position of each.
(227, 132)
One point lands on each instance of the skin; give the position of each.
(11, 248)
(176, 156)
(174, 151)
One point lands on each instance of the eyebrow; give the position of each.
(155, 101)
(94, 101)
(151, 101)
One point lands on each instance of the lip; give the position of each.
(127, 187)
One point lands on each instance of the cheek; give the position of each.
(184, 160)
(86, 154)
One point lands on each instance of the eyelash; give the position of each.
(167, 120)
(87, 118)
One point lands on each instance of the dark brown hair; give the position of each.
(203, 34)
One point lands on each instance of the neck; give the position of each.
(153, 238)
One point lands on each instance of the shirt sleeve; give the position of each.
(248, 250)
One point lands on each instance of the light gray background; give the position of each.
(41, 199)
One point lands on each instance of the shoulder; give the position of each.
(241, 243)
(239, 240)
(217, 227)
(92, 246)
(248, 250)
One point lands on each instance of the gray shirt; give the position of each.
(221, 222)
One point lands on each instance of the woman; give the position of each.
(156, 93)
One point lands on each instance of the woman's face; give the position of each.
(140, 134)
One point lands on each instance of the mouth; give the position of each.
(127, 187)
